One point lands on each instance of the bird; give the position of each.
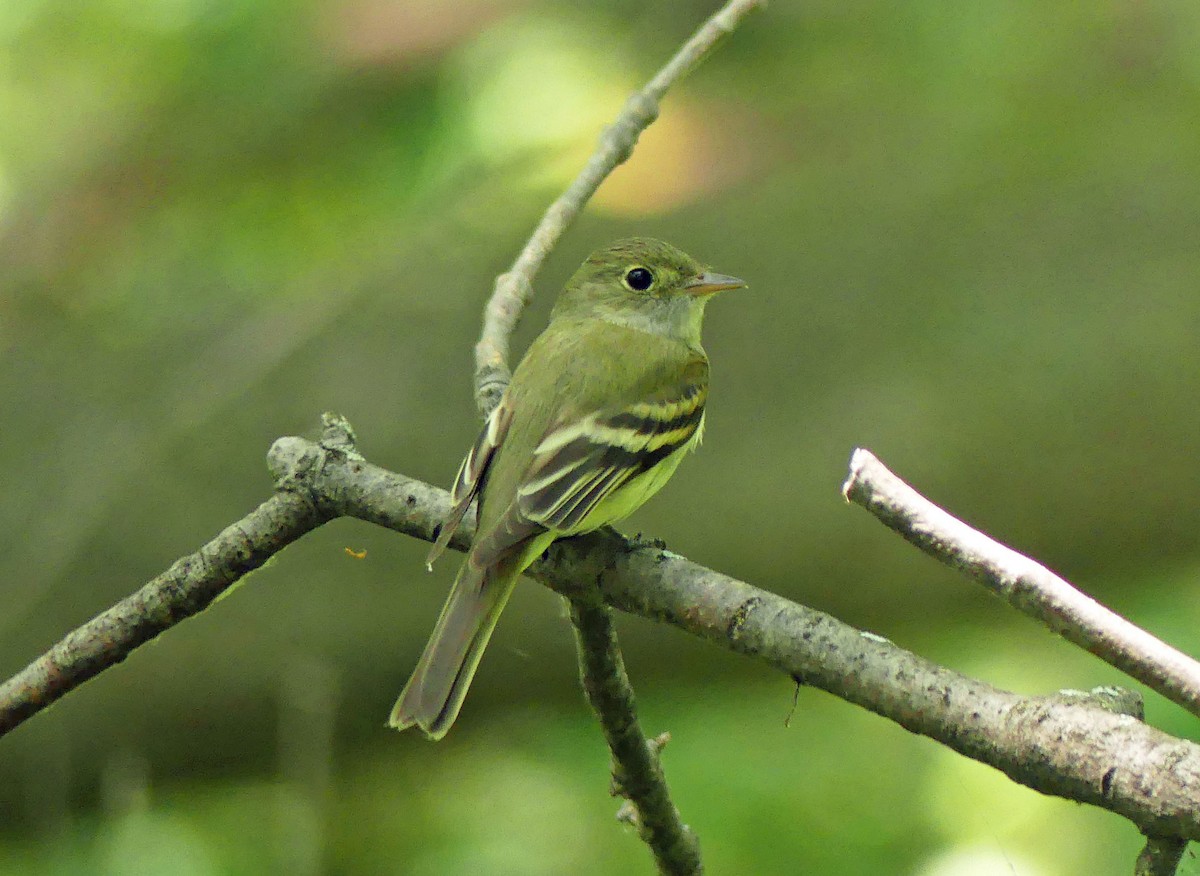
(606, 402)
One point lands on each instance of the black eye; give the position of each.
(639, 279)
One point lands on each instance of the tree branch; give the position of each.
(1089, 747)
(188, 587)
(1025, 584)
(1082, 747)
(514, 288)
(637, 772)
(1075, 746)
(1160, 857)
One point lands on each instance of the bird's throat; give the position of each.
(677, 317)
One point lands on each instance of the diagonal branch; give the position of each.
(1025, 584)
(191, 584)
(1091, 748)
(637, 773)
(514, 288)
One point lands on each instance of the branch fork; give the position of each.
(1092, 747)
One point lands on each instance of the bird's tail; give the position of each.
(435, 692)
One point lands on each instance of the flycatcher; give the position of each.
(605, 404)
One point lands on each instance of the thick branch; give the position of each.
(637, 773)
(1077, 746)
(1027, 585)
(514, 288)
(1071, 746)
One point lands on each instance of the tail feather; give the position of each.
(435, 692)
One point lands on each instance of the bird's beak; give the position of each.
(708, 283)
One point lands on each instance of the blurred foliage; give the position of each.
(970, 231)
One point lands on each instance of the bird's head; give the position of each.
(646, 284)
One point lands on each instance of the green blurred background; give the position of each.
(971, 236)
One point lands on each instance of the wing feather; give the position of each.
(577, 465)
(471, 474)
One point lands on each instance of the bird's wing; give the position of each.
(471, 473)
(582, 459)
(579, 464)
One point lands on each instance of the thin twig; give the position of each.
(514, 288)
(674, 847)
(1160, 856)
(1025, 584)
(637, 772)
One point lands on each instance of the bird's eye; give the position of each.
(639, 279)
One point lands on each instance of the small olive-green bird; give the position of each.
(605, 404)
